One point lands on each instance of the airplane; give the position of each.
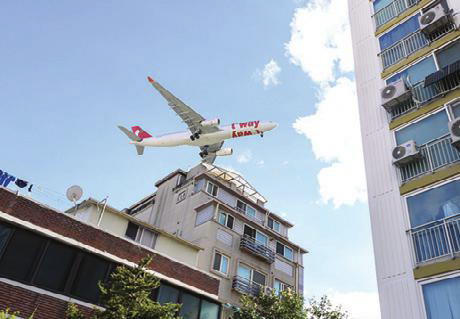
(208, 135)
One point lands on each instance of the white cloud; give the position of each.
(261, 163)
(359, 305)
(333, 130)
(244, 157)
(269, 75)
(320, 39)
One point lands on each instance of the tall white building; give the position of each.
(407, 64)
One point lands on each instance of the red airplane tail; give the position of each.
(140, 132)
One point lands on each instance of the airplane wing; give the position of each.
(211, 149)
(185, 112)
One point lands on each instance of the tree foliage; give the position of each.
(288, 305)
(128, 296)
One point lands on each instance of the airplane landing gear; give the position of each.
(261, 134)
(195, 135)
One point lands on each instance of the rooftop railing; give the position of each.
(434, 155)
(436, 240)
(411, 44)
(259, 249)
(392, 10)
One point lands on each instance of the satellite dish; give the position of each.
(74, 193)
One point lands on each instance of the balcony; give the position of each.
(423, 94)
(411, 44)
(247, 287)
(254, 218)
(250, 245)
(434, 155)
(392, 10)
(436, 240)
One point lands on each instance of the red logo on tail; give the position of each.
(140, 132)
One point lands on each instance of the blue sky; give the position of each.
(73, 71)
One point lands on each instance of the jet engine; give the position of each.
(213, 122)
(224, 152)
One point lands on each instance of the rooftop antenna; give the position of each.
(74, 193)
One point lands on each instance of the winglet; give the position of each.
(150, 79)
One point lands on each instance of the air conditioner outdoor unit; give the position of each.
(394, 94)
(432, 20)
(454, 129)
(405, 153)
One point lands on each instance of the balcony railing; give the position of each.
(259, 249)
(436, 239)
(422, 95)
(245, 286)
(257, 220)
(411, 44)
(392, 10)
(434, 155)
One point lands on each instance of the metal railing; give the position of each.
(243, 211)
(422, 95)
(411, 44)
(392, 10)
(245, 286)
(259, 249)
(434, 155)
(436, 239)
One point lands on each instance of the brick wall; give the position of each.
(26, 302)
(60, 223)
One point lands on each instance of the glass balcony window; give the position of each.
(386, 10)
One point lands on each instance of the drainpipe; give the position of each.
(102, 212)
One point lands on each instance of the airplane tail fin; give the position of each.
(135, 138)
(138, 131)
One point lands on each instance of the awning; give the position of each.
(442, 74)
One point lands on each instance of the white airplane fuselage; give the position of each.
(234, 130)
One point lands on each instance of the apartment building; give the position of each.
(48, 258)
(407, 67)
(244, 244)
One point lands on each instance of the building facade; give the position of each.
(407, 67)
(48, 258)
(244, 244)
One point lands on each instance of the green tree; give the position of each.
(128, 296)
(288, 305)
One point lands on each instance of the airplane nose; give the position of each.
(273, 125)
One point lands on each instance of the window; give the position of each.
(273, 224)
(211, 189)
(209, 310)
(284, 251)
(19, 266)
(55, 266)
(141, 235)
(4, 234)
(168, 294)
(380, 4)
(456, 109)
(416, 73)
(279, 286)
(442, 299)
(220, 263)
(92, 269)
(226, 219)
(399, 32)
(261, 238)
(424, 131)
(449, 55)
(190, 306)
(131, 231)
(193, 307)
(246, 209)
(434, 204)
(251, 275)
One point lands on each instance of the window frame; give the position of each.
(214, 187)
(217, 252)
(251, 273)
(284, 251)
(227, 216)
(246, 205)
(283, 286)
(273, 225)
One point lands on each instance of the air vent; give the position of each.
(405, 153)
(394, 94)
